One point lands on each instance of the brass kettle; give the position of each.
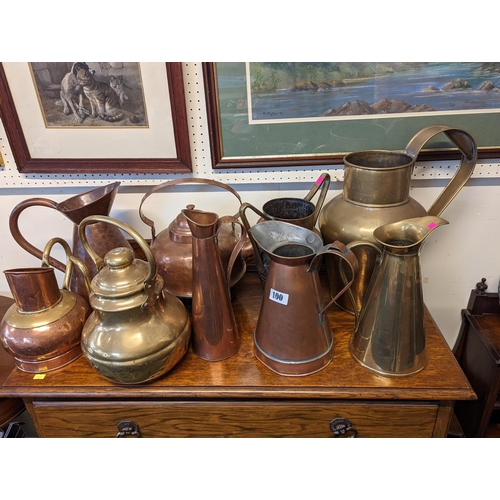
(376, 191)
(42, 329)
(172, 247)
(137, 331)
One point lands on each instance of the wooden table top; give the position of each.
(242, 376)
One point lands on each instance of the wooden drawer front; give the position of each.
(234, 419)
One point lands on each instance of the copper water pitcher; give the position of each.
(137, 332)
(102, 236)
(293, 335)
(215, 333)
(42, 329)
(172, 247)
(389, 335)
(376, 191)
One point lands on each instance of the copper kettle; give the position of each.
(137, 332)
(172, 247)
(42, 329)
(103, 237)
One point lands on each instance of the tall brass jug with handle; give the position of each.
(376, 191)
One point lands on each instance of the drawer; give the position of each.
(233, 419)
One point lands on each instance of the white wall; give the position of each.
(454, 257)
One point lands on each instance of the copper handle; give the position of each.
(177, 182)
(16, 232)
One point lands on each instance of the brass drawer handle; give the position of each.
(342, 426)
(128, 428)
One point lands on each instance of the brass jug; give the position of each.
(376, 191)
(172, 247)
(103, 237)
(389, 335)
(293, 335)
(299, 211)
(137, 331)
(42, 329)
(215, 333)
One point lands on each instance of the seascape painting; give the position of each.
(94, 94)
(321, 91)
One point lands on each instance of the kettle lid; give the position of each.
(122, 274)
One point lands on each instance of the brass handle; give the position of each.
(128, 428)
(322, 182)
(342, 427)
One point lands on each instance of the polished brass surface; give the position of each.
(215, 333)
(137, 331)
(293, 335)
(376, 191)
(389, 335)
(42, 329)
(298, 211)
(172, 247)
(103, 237)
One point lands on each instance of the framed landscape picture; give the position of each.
(102, 117)
(296, 114)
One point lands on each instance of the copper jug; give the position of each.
(215, 333)
(103, 237)
(42, 329)
(389, 335)
(299, 211)
(376, 191)
(293, 335)
(172, 247)
(137, 331)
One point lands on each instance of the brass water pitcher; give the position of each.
(376, 191)
(137, 332)
(389, 335)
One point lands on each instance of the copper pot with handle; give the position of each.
(172, 247)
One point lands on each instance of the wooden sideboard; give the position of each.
(478, 352)
(240, 397)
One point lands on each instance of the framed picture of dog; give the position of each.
(84, 117)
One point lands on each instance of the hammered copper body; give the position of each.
(376, 191)
(42, 329)
(103, 237)
(215, 333)
(172, 247)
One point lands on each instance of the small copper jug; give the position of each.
(293, 335)
(137, 332)
(215, 333)
(299, 211)
(42, 329)
(172, 247)
(102, 236)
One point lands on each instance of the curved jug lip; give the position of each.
(94, 202)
